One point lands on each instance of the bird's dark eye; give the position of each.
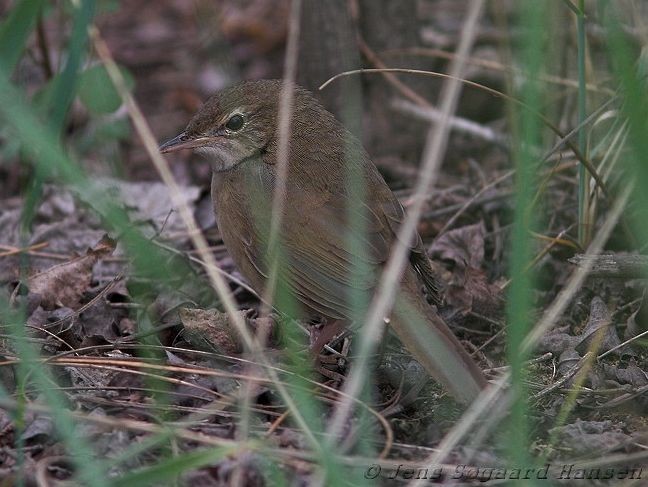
(235, 123)
(184, 138)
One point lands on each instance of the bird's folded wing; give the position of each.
(337, 247)
(339, 250)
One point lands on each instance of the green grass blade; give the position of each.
(15, 31)
(519, 304)
(584, 225)
(165, 471)
(66, 84)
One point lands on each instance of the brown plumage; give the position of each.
(336, 235)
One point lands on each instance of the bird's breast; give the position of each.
(242, 206)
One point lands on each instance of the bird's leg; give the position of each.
(324, 334)
(319, 337)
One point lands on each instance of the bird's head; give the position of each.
(234, 125)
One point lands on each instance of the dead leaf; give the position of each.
(64, 284)
(469, 290)
(599, 328)
(638, 321)
(211, 330)
(558, 341)
(632, 374)
(464, 246)
(584, 437)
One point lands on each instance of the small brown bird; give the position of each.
(339, 219)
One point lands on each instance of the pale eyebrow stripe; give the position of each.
(223, 121)
(236, 111)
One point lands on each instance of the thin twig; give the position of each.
(621, 345)
(495, 66)
(21, 250)
(401, 87)
(542, 358)
(459, 124)
(563, 380)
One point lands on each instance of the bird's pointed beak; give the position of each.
(182, 141)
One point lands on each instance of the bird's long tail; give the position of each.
(432, 343)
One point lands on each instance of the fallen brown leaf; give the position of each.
(64, 284)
